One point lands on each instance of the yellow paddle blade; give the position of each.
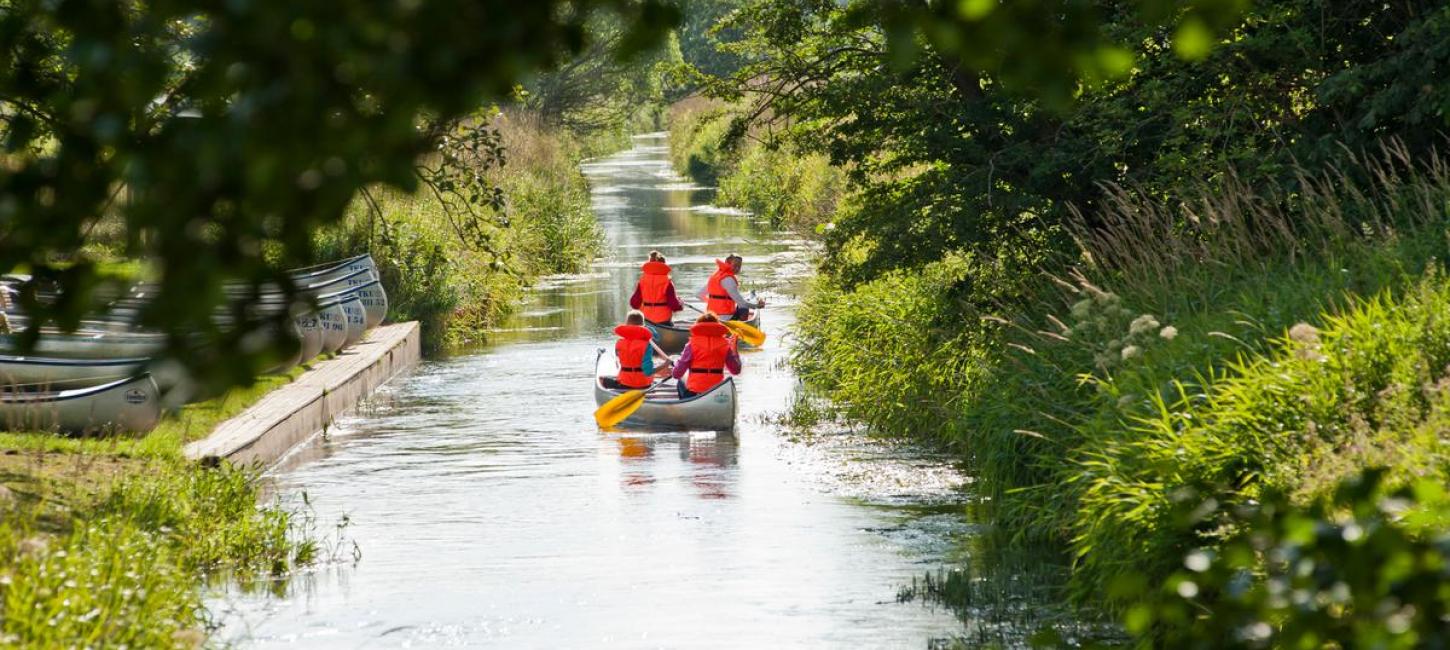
(747, 332)
(616, 410)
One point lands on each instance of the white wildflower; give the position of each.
(1304, 333)
(1131, 351)
(1142, 324)
(1168, 332)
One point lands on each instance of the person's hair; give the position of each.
(656, 256)
(708, 317)
(734, 258)
(634, 317)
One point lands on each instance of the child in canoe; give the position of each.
(654, 295)
(710, 352)
(635, 350)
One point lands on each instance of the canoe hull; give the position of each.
(66, 373)
(673, 339)
(713, 410)
(131, 405)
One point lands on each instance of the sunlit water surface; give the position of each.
(488, 510)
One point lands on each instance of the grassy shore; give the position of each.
(107, 541)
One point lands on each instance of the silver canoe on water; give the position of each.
(672, 338)
(130, 404)
(713, 410)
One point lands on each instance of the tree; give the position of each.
(237, 129)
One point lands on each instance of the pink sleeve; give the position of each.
(732, 361)
(682, 364)
(636, 300)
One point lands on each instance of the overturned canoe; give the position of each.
(89, 344)
(712, 410)
(51, 373)
(672, 338)
(130, 404)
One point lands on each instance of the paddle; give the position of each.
(618, 409)
(747, 332)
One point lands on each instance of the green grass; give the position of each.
(106, 541)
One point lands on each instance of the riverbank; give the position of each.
(109, 540)
(458, 258)
(1134, 400)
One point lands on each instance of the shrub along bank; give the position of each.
(1266, 349)
(459, 266)
(774, 179)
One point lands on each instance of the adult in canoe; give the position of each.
(654, 295)
(722, 292)
(635, 350)
(710, 352)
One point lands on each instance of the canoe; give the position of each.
(672, 338)
(54, 373)
(374, 300)
(90, 344)
(312, 335)
(334, 326)
(713, 410)
(357, 319)
(131, 404)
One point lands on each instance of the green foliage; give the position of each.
(435, 271)
(1090, 404)
(598, 91)
(949, 158)
(238, 130)
(793, 189)
(122, 566)
(698, 144)
(1349, 572)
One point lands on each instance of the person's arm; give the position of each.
(637, 299)
(682, 364)
(732, 361)
(704, 295)
(674, 301)
(667, 358)
(732, 287)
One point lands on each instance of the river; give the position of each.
(484, 508)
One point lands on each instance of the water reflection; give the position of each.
(490, 511)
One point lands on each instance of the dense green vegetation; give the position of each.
(107, 541)
(1212, 279)
(459, 269)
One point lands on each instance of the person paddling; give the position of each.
(710, 352)
(722, 293)
(654, 295)
(635, 351)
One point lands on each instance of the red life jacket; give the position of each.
(708, 349)
(654, 288)
(718, 300)
(631, 347)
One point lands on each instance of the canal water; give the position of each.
(484, 508)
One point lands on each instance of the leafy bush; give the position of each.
(459, 273)
(791, 188)
(1224, 340)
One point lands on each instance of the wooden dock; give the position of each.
(293, 413)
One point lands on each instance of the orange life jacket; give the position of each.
(708, 349)
(654, 288)
(631, 347)
(718, 300)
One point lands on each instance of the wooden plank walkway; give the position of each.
(290, 415)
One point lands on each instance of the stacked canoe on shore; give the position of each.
(104, 375)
